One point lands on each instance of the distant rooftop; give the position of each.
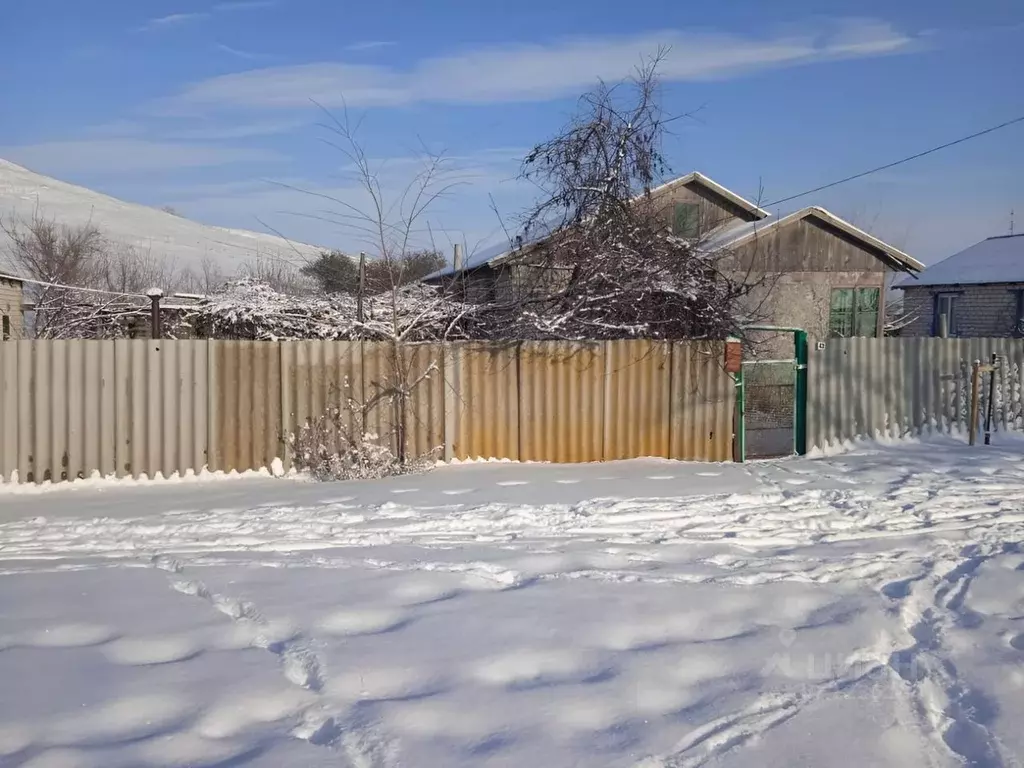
(995, 260)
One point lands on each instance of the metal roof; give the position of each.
(746, 231)
(495, 252)
(995, 260)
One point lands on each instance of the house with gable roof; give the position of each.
(814, 270)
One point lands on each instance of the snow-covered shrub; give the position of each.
(337, 446)
(334, 446)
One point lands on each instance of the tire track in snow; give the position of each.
(944, 704)
(300, 665)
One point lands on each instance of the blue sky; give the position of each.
(206, 106)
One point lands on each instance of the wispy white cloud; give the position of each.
(171, 20)
(248, 55)
(240, 130)
(369, 45)
(176, 19)
(129, 156)
(534, 72)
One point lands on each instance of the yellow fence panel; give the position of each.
(483, 397)
(246, 421)
(424, 407)
(317, 376)
(638, 400)
(69, 409)
(561, 402)
(703, 403)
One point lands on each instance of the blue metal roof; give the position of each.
(478, 259)
(995, 260)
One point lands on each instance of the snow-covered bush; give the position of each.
(337, 445)
(331, 448)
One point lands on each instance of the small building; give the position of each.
(813, 270)
(12, 313)
(978, 292)
(816, 271)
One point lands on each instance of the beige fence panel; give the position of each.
(638, 399)
(482, 393)
(246, 425)
(703, 403)
(74, 408)
(892, 387)
(561, 401)
(380, 407)
(425, 405)
(317, 376)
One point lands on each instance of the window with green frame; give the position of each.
(853, 312)
(686, 220)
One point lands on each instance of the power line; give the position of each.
(899, 162)
(45, 284)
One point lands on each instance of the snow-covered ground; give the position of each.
(858, 610)
(180, 243)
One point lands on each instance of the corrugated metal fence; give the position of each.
(906, 386)
(72, 408)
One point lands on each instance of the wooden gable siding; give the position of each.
(807, 245)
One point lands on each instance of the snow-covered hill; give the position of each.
(181, 242)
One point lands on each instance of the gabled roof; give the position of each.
(743, 233)
(495, 253)
(995, 260)
(696, 177)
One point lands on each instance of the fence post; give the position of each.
(975, 386)
(800, 417)
(155, 331)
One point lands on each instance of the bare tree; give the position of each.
(45, 250)
(125, 269)
(279, 274)
(54, 256)
(205, 279)
(604, 263)
(390, 224)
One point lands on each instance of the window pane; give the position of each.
(686, 220)
(867, 324)
(841, 313)
(842, 299)
(945, 304)
(867, 299)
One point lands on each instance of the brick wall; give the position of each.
(11, 298)
(983, 311)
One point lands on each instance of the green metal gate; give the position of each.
(771, 401)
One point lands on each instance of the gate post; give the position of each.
(800, 417)
(734, 367)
